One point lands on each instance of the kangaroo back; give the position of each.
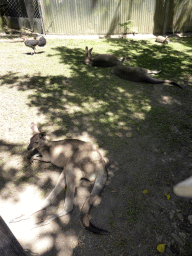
(101, 60)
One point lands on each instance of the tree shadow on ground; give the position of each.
(142, 127)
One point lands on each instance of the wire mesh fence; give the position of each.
(16, 9)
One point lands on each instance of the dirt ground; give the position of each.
(138, 206)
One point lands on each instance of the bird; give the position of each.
(33, 43)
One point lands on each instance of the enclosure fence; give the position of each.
(101, 16)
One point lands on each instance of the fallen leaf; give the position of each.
(168, 196)
(160, 247)
(145, 191)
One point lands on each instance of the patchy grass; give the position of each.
(144, 129)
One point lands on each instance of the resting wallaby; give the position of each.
(137, 74)
(162, 39)
(79, 160)
(184, 188)
(101, 60)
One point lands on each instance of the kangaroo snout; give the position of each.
(29, 148)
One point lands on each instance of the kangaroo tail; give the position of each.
(20, 218)
(174, 83)
(158, 81)
(97, 190)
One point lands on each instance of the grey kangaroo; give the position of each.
(79, 160)
(162, 39)
(101, 60)
(137, 74)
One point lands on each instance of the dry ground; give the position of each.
(146, 138)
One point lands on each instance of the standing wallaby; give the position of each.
(184, 188)
(101, 60)
(137, 74)
(79, 160)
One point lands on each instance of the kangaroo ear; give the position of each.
(89, 52)
(42, 135)
(34, 128)
(86, 49)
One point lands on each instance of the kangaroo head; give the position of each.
(88, 57)
(166, 40)
(36, 141)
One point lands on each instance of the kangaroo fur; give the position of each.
(79, 159)
(137, 74)
(101, 60)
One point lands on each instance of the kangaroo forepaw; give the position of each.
(53, 217)
(20, 218)
(41, 224)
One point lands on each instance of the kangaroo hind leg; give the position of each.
(73, 177)
(96, 192)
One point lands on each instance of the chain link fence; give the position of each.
(16, 9)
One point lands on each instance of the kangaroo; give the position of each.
(79, 160)
(101, 60)
(184, 188)
(137, 74)
(162, 39)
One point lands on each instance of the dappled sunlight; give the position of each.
(169, 100)
(137, 127)
(113, 108)
(82, 195)
(66, 243)
(11, 162)
(140, 116)
(43, 244)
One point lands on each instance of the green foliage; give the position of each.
(127, 26)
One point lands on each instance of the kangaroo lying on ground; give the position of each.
(137, 74)
(101, 60)
(162, 39)
(184, 188)
(79, 160)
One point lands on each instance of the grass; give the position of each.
(67, 90)
(144, 128)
